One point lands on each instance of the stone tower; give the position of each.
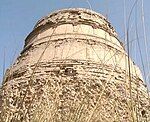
(73, 68)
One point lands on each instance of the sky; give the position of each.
(18, 17)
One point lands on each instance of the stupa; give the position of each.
(74, 68)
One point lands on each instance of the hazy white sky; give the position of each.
(17, 18)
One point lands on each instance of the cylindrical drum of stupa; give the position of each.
(73, 68)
